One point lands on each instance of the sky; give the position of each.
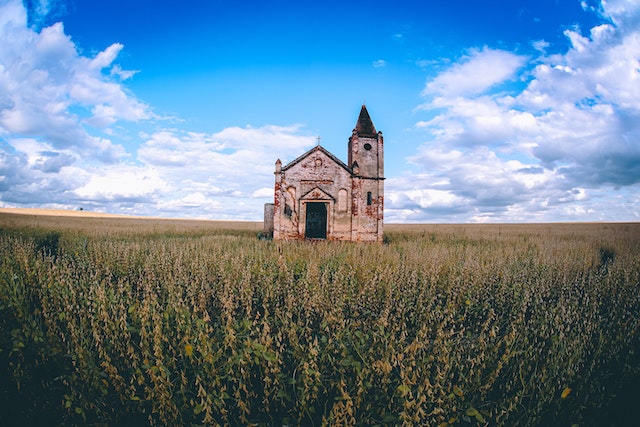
(492, 111)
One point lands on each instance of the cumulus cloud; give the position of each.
(122, 183)
(58, 110)
(117, 70)
(263, 193)
(587, 107)
(624, 13)
(55, 107)
(51, 92)
(540, 45)
(554, 147)
(200, 204)
(225, 153)
(34, 174)
(221, 175)
(475, 73)
(225, 166)
(460, 183)
(509, 137)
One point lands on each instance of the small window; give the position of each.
(369, 198)
(367, 146)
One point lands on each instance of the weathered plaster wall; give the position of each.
(353, 193)
(316, 178)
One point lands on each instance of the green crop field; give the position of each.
(107, 321)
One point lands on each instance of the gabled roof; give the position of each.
(364, 126)
(313, 150)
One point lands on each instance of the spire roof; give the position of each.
(364, 126)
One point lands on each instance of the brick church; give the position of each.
(317, 196)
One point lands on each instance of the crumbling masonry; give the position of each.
(317, 196)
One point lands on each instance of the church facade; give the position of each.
(317, 196)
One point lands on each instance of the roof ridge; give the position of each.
(317, 148)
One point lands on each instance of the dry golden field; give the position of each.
(128, 321)
(110, 223)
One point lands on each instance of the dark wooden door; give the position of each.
(316, 223)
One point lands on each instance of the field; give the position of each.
(124, 321)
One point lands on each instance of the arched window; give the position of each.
(342, 200)
(369, 198)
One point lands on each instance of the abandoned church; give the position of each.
(317, 196)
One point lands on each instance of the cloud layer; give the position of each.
(59, 114)
(520, 138)
(507, 135)
(50, 92)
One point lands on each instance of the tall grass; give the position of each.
(443, 325)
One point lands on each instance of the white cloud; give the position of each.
(222, 175)
(117, 70)
(232, 159)
(267, 138)
(380, 63)
(480, 176)
(624, 13)
(55, 108)
(227, 167)
(13, 16)
(230, 152)
(47, 87)
(540, 45)
(510, 138)
(106, 57)
(263, 193)
(192, 201)
(122, 183)
(552, 150)
(475, 73)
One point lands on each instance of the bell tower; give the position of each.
(366, 160)
(366, 147)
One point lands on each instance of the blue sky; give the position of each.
(493, 111)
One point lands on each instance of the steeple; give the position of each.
(364, 126)
(366, 148)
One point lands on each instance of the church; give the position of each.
(317, 196)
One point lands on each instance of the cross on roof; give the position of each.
(318, 139)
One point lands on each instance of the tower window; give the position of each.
(369, 198)
(367, 146)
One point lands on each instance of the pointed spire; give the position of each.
(364, 126)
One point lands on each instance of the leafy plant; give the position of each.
(442, 325)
